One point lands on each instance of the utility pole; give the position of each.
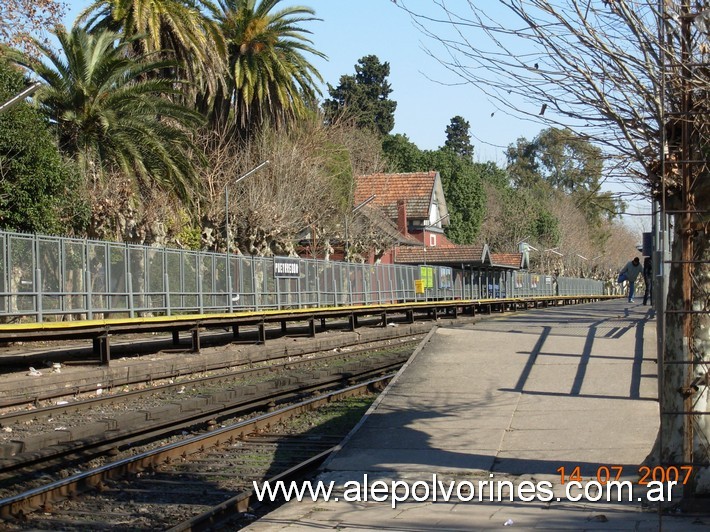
(230, 303)
(683, 165)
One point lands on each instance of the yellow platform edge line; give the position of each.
(68, 325)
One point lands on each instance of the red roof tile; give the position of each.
(444, 242)
(454, 256)
(510, 260)
(416, 187)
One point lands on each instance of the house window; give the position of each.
(432, 241)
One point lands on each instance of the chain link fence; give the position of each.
(44, 278)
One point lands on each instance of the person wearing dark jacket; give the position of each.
(632, 270)
(648, 280)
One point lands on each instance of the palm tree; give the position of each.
(110, 114)
(178, 29)
(269, 77)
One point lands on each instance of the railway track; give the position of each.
(55, 387)
(193, 482)
(90, 429)
(253, 368)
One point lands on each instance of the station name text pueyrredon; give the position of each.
(289, 268)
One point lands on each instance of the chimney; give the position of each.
(402, 217)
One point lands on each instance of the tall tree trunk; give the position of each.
(670, 445)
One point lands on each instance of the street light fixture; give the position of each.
(433, 224)
(430, 226)
(426, 269)
(226, 223)
(359, 206)
(21, 96)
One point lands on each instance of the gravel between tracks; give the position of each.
(67, 420)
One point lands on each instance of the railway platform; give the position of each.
(517, 400)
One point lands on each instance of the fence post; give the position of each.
(317, 272)
(7, 281)
(87, 283)
(62, 273)
(350, 284)
(230, 303)
(200, 301)
(277, 283)
(129, 286)
(298, 284)
(378, 288)
(257, 290)
(166, 282)
(38, 292)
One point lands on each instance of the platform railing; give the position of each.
(55, 278)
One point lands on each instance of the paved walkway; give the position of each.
(509, 399)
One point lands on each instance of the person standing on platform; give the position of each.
(647, 279)
(632, 270)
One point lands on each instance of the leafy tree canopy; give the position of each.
(458, 137)
(564, 161)
(523, 167)
(493, 174)
(271, 80)
(110, 115)
(175, 29)
(364, 97)
(38, 191)
(402, 154)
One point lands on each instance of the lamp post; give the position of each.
(433, 224)
(524, 248)
(21, 96)
(426, 270)
(553, 251)
(346, 247)
(226, 223)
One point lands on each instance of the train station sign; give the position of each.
(286, 267)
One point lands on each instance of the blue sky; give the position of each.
(353, 29)
(425, 104)
(427, 94)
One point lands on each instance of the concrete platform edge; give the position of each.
(380, 398)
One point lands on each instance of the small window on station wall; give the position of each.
(432, 241)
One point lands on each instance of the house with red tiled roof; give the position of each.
(414, 201)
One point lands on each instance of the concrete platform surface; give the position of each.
(505, 403)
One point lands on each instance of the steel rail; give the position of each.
(53, 410)
(95, 446)
(23, 503)
(243, 501)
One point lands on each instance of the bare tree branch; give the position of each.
(21, 18)
(595, 65)
(633, 77)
